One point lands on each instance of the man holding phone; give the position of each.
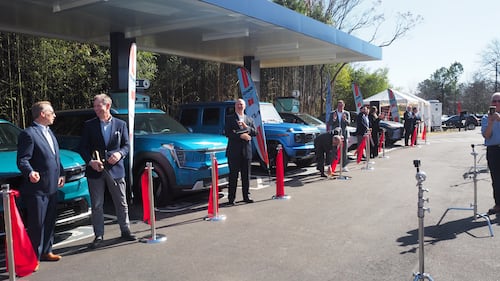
(490, 128)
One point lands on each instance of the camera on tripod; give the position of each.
(416, 163)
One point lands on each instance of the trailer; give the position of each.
(436, 113)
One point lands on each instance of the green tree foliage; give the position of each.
(443, 86)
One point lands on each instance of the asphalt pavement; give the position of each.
(363, 228)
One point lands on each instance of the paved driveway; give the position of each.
(360, 229)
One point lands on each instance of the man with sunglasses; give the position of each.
(490, 128)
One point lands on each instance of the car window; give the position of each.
(189, 116)
(8, 137)
(211, 116)
(72, 124)
(154, 123)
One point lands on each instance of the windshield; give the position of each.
(155, 123)
(269, 114)
(310, 120)
(8, 137)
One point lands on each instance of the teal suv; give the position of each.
(181, 160)
(74, 199)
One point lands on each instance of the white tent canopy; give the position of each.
(404, 99)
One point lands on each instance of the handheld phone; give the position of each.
(492, 110)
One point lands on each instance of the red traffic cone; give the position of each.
(213, 197)
(145, 197)
(280, 176)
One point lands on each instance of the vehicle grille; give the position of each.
(74, 173)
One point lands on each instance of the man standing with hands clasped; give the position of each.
(104, 145)
(39, 161)
(490, 128)
(239, 130)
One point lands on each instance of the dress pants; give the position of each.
(41, 220)
(236, 166)
(97, 187)
(493, 158)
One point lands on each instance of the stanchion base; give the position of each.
(368, 168)
(159, 238)
(282, 197)
(215, 218)
(422, 276)
(385, 156)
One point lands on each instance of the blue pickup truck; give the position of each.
(297, 140)
(181, 159)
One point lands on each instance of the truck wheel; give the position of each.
(161, 186)
(471, 126)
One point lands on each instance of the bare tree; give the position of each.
(490, 59)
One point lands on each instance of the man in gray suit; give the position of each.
(39, 162)
(341, 118)
(104, 145)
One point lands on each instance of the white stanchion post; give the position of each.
(154, 237)
(8, 230)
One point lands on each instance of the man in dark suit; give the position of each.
(409, 120)
(104, 145)
(325, 148)
(362, 124)
(239, 129)
(40, 164)
(341, 118)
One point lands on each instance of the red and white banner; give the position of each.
(251, 97)
(132, 70)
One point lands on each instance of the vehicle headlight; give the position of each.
(299, 138)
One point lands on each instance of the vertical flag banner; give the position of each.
(328, 109)
(132, 70)
(358, 98)
(393, 105)
(251, 97)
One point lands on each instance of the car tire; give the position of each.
(161, 185)
(272, 159)
(471, 126)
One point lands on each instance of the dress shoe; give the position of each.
(230, 203)
(248, 200)
(50, 257)
(494, 210)
(322, 175)
(96, 243)
(126, 235)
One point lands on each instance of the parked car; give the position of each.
(307, 119)
(466, 121)
(74, 198)
(394, 131)
(297, 140)
(181, 159)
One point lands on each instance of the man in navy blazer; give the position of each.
(39, 162)
(103, 146)
(239, 129)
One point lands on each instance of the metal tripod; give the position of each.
(473, 206)
(421, 176)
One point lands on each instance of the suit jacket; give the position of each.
(361, 125)
(409, 119)
(343, 123)
(92, 140)
(34, 154)
(236, 147)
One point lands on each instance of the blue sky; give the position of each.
(451, 31)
